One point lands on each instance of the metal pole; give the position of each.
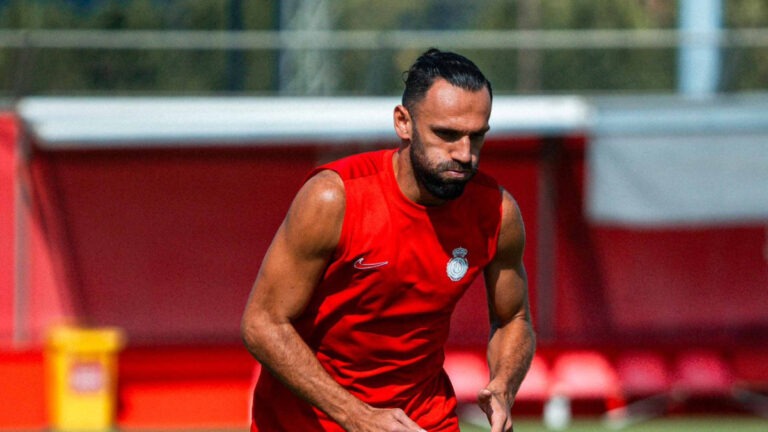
(235, 57)
(307, 71)
(20, 261)
(699, 60)
(546, 245)
(529, 61)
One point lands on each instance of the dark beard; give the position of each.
(430, 179)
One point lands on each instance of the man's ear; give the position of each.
(403, 123)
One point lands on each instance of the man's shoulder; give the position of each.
(484, 179)
(486, 185)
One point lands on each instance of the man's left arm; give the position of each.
(512, 342)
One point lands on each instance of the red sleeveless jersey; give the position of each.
(380, 316)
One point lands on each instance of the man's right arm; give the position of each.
(292, 267)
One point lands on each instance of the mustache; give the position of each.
(457, 166)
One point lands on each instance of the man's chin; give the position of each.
(448, 191)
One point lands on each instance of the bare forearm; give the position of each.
(510, 352)
(280, 350)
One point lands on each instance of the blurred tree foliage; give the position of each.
(372, 72)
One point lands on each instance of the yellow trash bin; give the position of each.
(82, 377)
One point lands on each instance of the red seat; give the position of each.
(645, 382)
(702, 373)
(643, 373)
(580, 379)
(468, 371)
(585, 375)
(706, 375)
(536, 385)
(750, 366)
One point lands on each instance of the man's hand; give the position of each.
(497, 409)
(383, 420)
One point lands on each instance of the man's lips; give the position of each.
(457, 174)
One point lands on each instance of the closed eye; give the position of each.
(448, 135)
(452, 135)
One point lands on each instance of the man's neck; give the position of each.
(406, 180)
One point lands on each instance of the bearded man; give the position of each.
(351, 308)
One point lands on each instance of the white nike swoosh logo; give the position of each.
(360, 265)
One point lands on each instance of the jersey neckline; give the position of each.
(399, 195)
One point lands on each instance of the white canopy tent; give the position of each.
(672, 161)
(83, 123)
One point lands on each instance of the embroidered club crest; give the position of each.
(457, 266)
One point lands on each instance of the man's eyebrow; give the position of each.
(448, 129)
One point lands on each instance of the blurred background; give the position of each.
(360, 48)
(149, 150)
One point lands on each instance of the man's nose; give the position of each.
(462, 150)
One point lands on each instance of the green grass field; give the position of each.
(665, 424)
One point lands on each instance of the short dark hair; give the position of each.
(454, 68)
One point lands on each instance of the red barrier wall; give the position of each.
(153, 240)
(22, 394)
(8, 136)
(166, 244)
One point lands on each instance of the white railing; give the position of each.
(373, 40)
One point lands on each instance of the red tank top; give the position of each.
(380, 316)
